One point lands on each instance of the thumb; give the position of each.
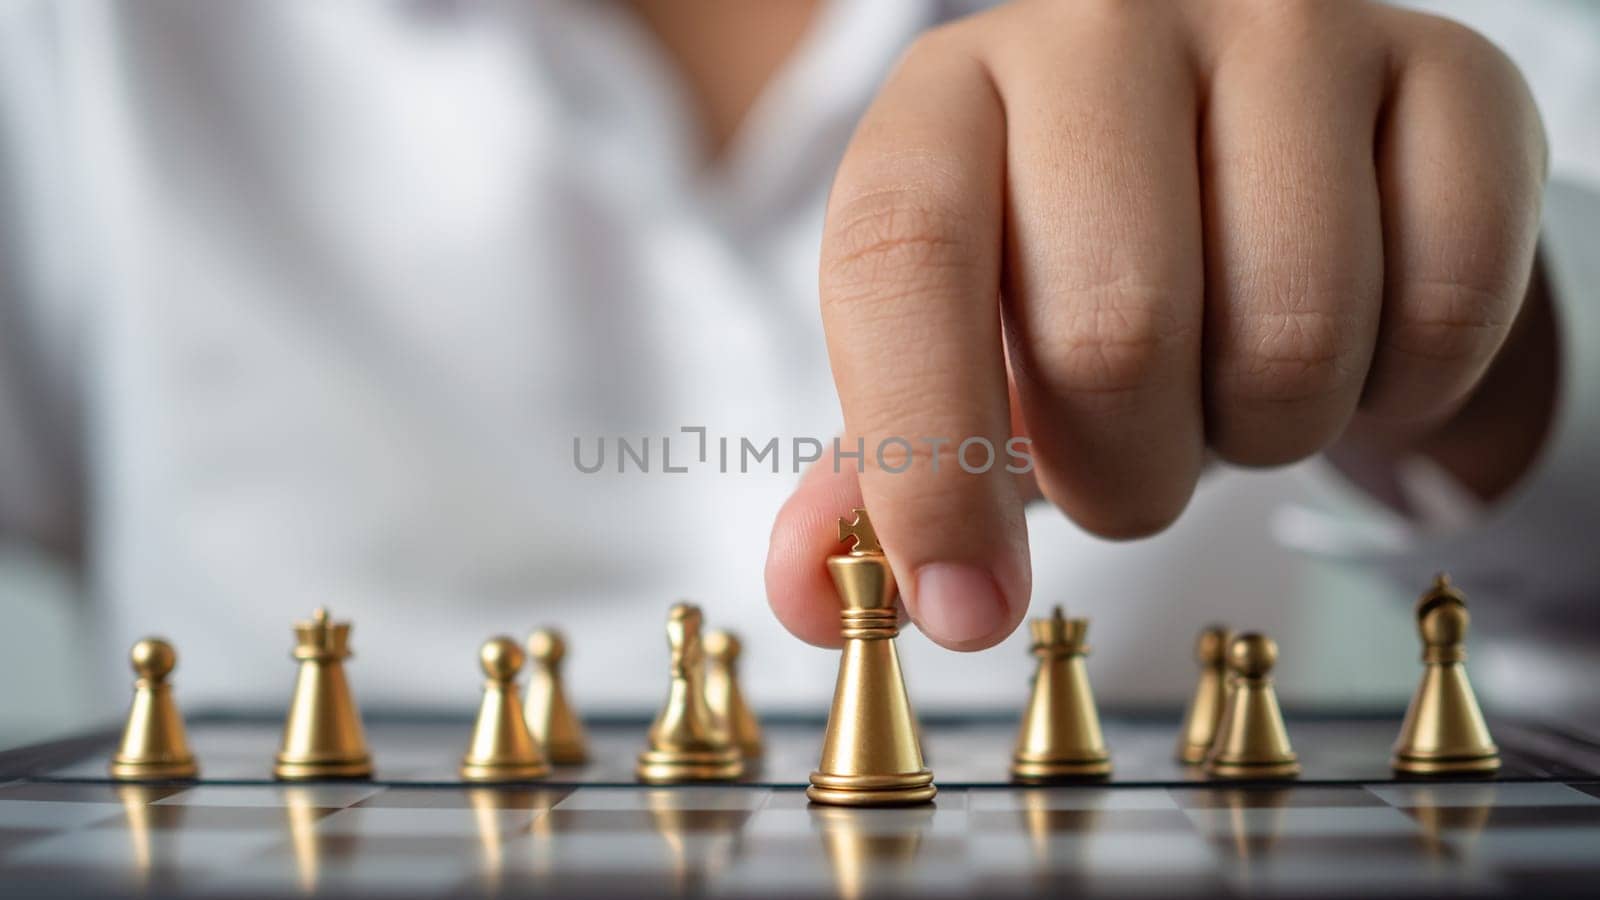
(801, 593)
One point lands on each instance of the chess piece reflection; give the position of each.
(871, 755)
(551, 719)
(136, 800)
(502, 747)
(1251, 739)
(154, 746)
(1444, 732)
(303, 812)
(1060, 734)
(685, 742)
(1204, 712)
(702, 842)
(322, 737)
(724, 696)
(872, 851)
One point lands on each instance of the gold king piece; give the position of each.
(686, 741)
(154, 747)
(1060, 735)
(322, 737)
(1444, 732)
(1204, 712)
(870, 754)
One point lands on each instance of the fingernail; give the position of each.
(956, 604)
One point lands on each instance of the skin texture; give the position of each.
(1149, 234)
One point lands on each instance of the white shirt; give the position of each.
(305, 303)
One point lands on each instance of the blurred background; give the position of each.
(304, 304)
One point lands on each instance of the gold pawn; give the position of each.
(1444, 732)
(502, 747)
(322, 736)
(724, 696)
(870, 753)
(154, 746)
(1251, 739)
(551, 719)
(1204, 712)
(685, 742)
(1060, 734)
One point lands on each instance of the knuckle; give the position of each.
(1449, 323)
(1114, 339)
(898, 236)
(1290, 357)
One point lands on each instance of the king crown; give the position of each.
(865, 539)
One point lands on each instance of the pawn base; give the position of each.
(1026, 769)
(677, 766)
(123, 769)
(1193, 754)
(322, 769)
(1237, 770)
(1480, 764)
(872, 790)
(494, 773)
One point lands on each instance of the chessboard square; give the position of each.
(1066, 798)
(686, 797)
(1331, 873)
(187, 851)
(1050, 821)
(365, 822)
(412, 875)
(206, 818)
(1551, 848)
(513, 798)
(1262, 822)
(1320, 797)
(56, 816)
(1169, 853)
(597, 852)
(730, 821)
(83, 792)
(1482, 794)
(323, 796)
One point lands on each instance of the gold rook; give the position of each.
(1060, 736)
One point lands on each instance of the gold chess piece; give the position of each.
(870, 754)
(154, 746)
(1251, 739)
(1060, 734)
(685, 742)
(502, 747)
(1444, 732)
(551, 719)
(322, 737)
(724, 696)
(1204, 713)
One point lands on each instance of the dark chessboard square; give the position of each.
(1545, 817)
(1080, 820)
(336, 848)
(85, 792)
(1592, 790)
(1274, 797)
(162, 817)
(13, 837)
(677, 820)
(1358, 849)
(471, 798)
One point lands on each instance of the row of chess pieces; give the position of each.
(872, 749)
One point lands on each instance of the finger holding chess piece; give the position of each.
(1060, 736)
(551, 719)
(724, 695)
(1251, 739)
(1444, 732)
(871, 755)
(154, 745)
(502, 747)
(322, 736)
(1204, 713)
(686, 743)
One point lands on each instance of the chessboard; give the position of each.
(1348, 825)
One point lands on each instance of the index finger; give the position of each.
(910, 304)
